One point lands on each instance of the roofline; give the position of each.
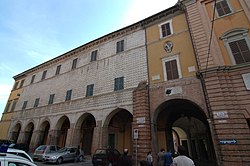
(141, 23)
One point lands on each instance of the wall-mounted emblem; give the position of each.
(168, 46)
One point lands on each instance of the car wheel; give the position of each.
(80, 159)
(59, 160)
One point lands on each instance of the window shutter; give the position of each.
(240, 51)
(172, 70)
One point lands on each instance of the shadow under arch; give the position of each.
(190, 126)
(84, 130)
(28, 133)
(16, 132)
(118, 125)
(62, 126)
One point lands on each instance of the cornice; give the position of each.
(113, 35)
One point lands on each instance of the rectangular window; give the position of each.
(93, 56)
(24, 105)
(36, 102)
(7, 106)
(32, 79)
(171, 68)
(222, 8)
(90, 89)
(21, 84)
(58, 68)
(119, 83)
(68, 95)
(15, 85)
(120, 46)
(166, 29)
(74, 63)
(240, 51)
(51, 98)
(13, 106)
(44, 74)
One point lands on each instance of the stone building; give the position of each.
(179, 77)
(85, 96)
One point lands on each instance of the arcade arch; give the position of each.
(84, 132)
(182, 122)
(62, 127)
(118, 125)
(16, 132)
(28, 133)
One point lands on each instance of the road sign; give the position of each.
(136, 133)
(228, 141)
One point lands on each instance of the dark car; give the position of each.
(106, 157)
(21, 146)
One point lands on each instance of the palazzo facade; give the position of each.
(179, 77)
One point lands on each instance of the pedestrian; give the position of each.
(168, 158)
(182, 159)
(161, 157)
(149, 159)
(124, 159)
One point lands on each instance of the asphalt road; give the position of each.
(86, 162)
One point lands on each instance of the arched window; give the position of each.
(237, 44)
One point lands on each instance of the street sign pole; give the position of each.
(136, 136)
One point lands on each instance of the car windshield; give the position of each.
(100, 151)
(63, 150)
(43, 147)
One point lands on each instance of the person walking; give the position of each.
(168, 159)
(125, 160)
(149, 159)
(161, 157)
(182, 160)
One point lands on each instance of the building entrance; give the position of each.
(181, 122)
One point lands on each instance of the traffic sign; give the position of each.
(228, 141)
(136, 133)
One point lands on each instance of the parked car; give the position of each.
(21, 146)
(104, 157)
(19, 152)
(14, 160)
(64, 154)
(42, 150)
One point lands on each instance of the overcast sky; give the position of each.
(35, 31)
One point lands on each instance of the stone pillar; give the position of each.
(53, 137)
(35, 140)
(141, 121)
(69, 138)
(76, 139)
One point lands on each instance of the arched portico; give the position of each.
(83, 132)
(62, 127)
(16, 132)
(28, 134)
(117, 129)
(182, 122)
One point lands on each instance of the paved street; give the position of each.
(86, 162)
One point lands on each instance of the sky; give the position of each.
(35, 31)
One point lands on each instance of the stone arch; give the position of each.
(16, 131)
(188, 122)
(84, 130)
(28, 133)
(62, 126)
(118, 129)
